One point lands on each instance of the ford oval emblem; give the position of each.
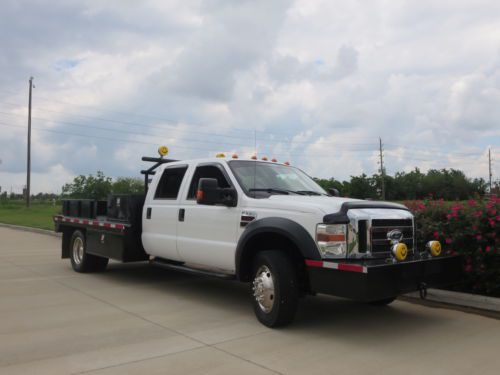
(395, 235)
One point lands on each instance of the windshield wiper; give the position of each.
(273, 190)
(307, 192)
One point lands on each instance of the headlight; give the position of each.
(331, 240)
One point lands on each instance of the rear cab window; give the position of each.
(170, 182)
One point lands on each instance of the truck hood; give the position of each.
(304, 203)
(323, 205)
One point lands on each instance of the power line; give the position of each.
(152, 117)
(337, 145)
(190, 139)
(151, 143)
(178, 130)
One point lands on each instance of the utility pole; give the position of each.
(382, 171)
(489, 167)
(28, 176)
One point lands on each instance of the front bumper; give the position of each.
(375, 281)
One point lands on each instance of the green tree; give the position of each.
(342, 187)
(364, 187)
(128, 185)
(90, 187)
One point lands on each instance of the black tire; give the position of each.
(383, 302)
(285, 291)
(80, 260)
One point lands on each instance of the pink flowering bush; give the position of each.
(469, 228)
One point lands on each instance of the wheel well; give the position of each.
(270, 241)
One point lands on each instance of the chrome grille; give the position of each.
(380, 228)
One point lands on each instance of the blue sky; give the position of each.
(313, 82)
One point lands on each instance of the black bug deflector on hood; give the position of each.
(342, 218)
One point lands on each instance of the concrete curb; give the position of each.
(29, 229)
(460, 299)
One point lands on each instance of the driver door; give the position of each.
(207, 235)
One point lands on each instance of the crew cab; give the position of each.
(259, 222)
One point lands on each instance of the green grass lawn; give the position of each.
(39, 215)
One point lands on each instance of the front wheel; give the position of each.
(275, 289)
(80, 260)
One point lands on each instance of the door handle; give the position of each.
(182, 212)
(148, 213)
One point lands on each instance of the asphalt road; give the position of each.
(136, 319)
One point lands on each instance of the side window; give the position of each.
(207, 171)
(170, 183)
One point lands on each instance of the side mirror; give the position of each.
(210, 193)
(334, 192)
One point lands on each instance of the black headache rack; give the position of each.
(376, 280)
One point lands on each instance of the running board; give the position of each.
(193, 271)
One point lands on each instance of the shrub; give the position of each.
(469, 228)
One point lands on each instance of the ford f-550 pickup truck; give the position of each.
(261, 222)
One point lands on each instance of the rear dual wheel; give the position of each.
(81, 261)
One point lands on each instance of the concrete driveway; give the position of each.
(136, 319)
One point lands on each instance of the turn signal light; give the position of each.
(220, 155)
(400, 251)
(325, 237)
(434, 248)
(200, 195)
(331, 240)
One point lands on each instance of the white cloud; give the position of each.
(317, 81)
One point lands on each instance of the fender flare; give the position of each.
(277, 225)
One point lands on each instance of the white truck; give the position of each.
(260, 222)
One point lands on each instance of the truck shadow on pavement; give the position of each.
(323, 314)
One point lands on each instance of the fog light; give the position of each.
(400, 251)
(434, 248)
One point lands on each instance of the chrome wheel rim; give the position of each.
(263, 289)
(78, 250)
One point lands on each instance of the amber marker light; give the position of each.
(200, 195)
(163, 150)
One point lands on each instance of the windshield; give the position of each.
(271, 178)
